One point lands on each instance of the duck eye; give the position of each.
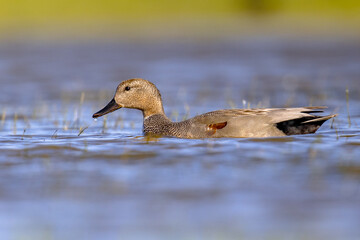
(127, 88)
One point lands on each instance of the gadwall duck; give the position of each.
(261, 122)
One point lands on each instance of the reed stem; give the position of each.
(347, 106)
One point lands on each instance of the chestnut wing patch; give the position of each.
(215, 126)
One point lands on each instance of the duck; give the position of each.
(141, 94)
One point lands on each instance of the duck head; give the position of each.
(135, 93)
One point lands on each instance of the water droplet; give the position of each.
(95, 119)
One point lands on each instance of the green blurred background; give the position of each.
(158, 18)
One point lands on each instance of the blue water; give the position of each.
(112, 183)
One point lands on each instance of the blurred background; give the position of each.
(65, 176)
(62, 19)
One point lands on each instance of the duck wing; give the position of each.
(274, 115)
(262, 122)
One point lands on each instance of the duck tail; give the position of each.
(320, 119)
(304, 125)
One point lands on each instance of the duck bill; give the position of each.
(110, 107)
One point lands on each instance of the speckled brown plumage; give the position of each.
(267, 122)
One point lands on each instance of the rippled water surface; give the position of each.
(66, 176)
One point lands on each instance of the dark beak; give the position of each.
(110, 107)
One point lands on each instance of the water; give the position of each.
(65, 176)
